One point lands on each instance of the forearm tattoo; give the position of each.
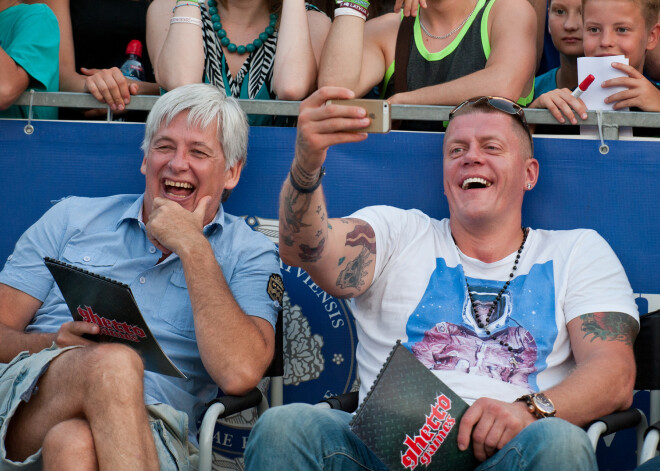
(615, 326)
(302, 176)
(293, 217)
(352, 276)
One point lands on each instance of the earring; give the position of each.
(529, 186)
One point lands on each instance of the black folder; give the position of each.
(410, 418)
(111, 305)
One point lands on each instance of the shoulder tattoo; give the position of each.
(352, 276)
(362, 234)
(615, 326)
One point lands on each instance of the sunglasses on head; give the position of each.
(499, 103)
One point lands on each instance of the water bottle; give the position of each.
(132, 67)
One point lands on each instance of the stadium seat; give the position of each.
(224, 406)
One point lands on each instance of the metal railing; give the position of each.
(608, 122)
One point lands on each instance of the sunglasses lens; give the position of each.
(503, 105)
(512, 109)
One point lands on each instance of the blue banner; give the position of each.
(578, 187)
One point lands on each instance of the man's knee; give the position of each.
(108, 362)
(68, 443)
(304, 437)
(296, 424)
(287, 419)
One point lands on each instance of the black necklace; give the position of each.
(493, 306)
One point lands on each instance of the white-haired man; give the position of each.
(524, 324)
(200, 278)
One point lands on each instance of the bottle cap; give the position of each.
(134, 47)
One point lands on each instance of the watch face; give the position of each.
(543, 404)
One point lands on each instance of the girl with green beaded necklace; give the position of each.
(254, 49)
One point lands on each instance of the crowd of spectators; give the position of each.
(285, 49)
(420, 52)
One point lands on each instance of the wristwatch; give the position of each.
(539, 405)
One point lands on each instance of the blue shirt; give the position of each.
(545, 82)
(106, 236)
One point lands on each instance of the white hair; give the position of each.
(204, 104)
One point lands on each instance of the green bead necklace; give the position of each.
(231, 47)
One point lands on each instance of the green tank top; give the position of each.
(467, 53)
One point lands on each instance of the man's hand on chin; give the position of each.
(171, 226)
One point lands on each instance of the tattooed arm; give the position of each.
(602, 382)
(339, 254)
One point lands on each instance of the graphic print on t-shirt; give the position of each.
(444, 335)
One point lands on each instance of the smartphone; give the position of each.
(377, 110)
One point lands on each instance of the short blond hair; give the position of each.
(649, 9)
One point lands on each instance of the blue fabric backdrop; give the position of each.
(578, 187)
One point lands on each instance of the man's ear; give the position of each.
(143, 167)
(532, 171)
(653, 37)
(233, 175)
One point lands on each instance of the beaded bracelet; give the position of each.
(349, 12)
(301, 189)
(186, 4)
(186, 19)
(199, 2)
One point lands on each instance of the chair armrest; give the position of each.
(234, 404)
(348, 402)
(221, 407)
(613, 422)
(651, 440)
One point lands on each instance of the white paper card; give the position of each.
(602, 70)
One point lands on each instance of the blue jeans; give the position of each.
(650, 465)
(304, 437)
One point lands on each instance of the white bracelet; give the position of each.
(349, 12)
(186, 19)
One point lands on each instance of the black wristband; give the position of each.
(311, 189)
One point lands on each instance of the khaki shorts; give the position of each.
(18, 382)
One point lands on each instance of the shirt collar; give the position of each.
(134, 212)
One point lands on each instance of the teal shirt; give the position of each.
(30, 35)
(545, 82)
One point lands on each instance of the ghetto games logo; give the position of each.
(421, 448)
(110, 327)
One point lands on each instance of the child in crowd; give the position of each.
(29, 44)
(565, 26)
(652, 63)
(614, 27)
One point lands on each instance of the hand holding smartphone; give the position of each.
(377, 110)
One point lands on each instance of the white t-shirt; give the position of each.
(419, 295)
